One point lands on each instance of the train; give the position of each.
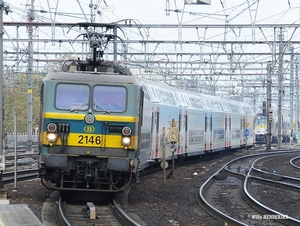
(101, 125)
(261, 129)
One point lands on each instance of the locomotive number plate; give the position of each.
(89, 140)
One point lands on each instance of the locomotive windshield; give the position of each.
(109, 98)
(75, 97)
(261, 121)
(72, 97)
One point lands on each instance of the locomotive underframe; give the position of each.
(89, 174)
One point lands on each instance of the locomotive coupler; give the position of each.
(88, 173)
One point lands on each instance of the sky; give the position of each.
(143, 12)
(154, 11)
(227, 12)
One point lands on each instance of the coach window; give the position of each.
(109, 98)
(72, 97)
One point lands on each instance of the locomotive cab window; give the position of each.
(72, 97)
(109, 98)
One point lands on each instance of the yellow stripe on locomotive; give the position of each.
(93, 140)
(110, 118)
(73, 130)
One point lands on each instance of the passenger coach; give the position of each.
(205, 123)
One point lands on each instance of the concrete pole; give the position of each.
(15, 153)
(3, 191)
(280, 88)
(2, 153)
(29, 76)
(291, 94)
(297, 100)
(269, 84)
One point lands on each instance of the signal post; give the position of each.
(173, 137)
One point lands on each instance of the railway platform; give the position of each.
(17, 214)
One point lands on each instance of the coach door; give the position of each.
(180, 132)
(155, 130)
(208, 133)
(141, 117)
(229, 131)
(226, 125)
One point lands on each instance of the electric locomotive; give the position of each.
(91, 115)
(261, 129)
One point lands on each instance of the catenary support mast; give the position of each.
(29, 76)
(2, 153)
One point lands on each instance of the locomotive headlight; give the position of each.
(89, 119)
(51, 127)
(51, 137)
(126, 141)
(126, 131)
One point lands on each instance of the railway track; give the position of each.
(22, 159)
(62, 210)
(233, 185)
(22, 175)
(68, 212)
(238, 167)
(8, 175)
(294, 162)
